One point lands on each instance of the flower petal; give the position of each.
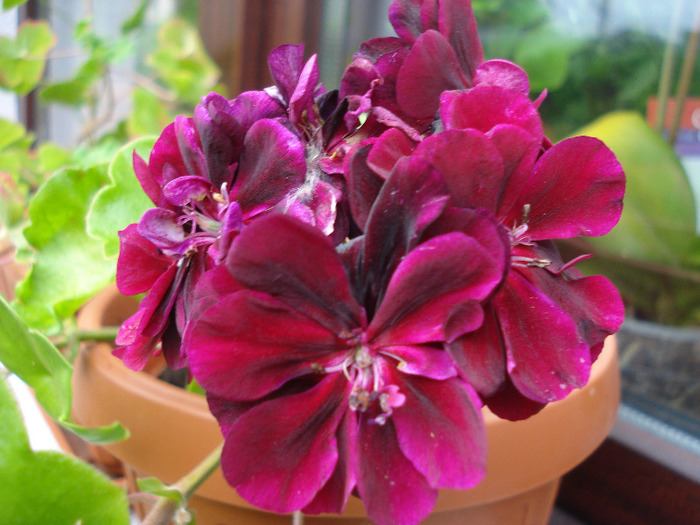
(285, 63)
(279, 454)
(293, 261)
(503, 73)
(363, 183)
(161, 227)
(441, 431)
(272, 164)
(140, 262)
(576, 188)
(546, 356)
(248, 344)
(391, 146)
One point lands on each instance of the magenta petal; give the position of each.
(576, 188)
(546, 356)
(166, 153)
(509, 403)
(480, 356)
(190, 148)
(188, 188)
(286, 62)
(503, 73)
(429, 283)
(422, 360)
(484, 107)
(405, 17)
(251, 106)
(457, 22)
(430, 68)
(363, 184)
(135, 350)
(470, 164)
(140, 262)
(249, 344)
(393, 491)
(391, 146)
(303, 97)
(149, 183)
(279, 454)
(291, 260)
(272, 164)
(441, 431)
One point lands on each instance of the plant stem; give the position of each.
(108, 333)
(165, 508)
(297, 518)
(686, 74)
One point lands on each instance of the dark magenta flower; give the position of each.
(327, 369)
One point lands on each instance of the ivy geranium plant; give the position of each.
(350, 275)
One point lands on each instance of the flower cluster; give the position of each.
(350, 275)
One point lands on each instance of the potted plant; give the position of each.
(350, 276)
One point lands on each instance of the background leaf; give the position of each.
(123, 201)
(22, 60)
(47, 486)
(70, 265)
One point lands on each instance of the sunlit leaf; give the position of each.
(22, 59)
(48, 486)
(158, 488)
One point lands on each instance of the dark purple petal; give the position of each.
(440, 429)
(291, 260)
(166, 160)
(576, 188)
(546, 356)
(135, 350)
(404, 16)
(150, 184)
(161, 227)
(251, 106)
(503, 73)
(190, 149)
(315, 203)
(358, 77)
(334, 495)
(484, 107)
(430, 68)
(302, 99)
(279, 454)
(509, 403)
(221, 136)
(140, 262)
(393, 491)
(480, 356)
(286, 63)
(363, 183)
(272, 164)
(429, 283)
(249, 344)
(470, 163)
(457, 23)
(413, 196)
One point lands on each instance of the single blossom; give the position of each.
(327, 369)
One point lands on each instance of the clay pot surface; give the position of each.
(172, 430)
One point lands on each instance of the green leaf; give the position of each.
(10, 132)
(149, 114)
(78, 89)
(9, 4)
(69, 264)
(123, 201)
(158, 488)
(52, 157)
(22, 59)
(135, 21)
(37, 362)
(48, 486)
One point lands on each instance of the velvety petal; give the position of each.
(159, 302)
(413, 196)
(166, 152)
(470, 163)
(190, 149)
(140, 262)
(546, 356)
(334, 495)
(440, 429)
(430, 68)
(485, 106)
(393, 491)
(161, 227)
(251, 106)
(286, 62)
(576, 188)
(135, 350)
(291, 260)
(221, 136)
(272, 164)
(480, 355)
(457, 23)
(249, 344)
(150, 184)
(391, 146)
(279, 454)
(434, 278)
(405, 17)
(503, 73)
(302, 98)
(509, 403)
(363, 183)
(315, 203)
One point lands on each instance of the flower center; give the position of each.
(519, 237)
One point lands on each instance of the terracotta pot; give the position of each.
(172, 430)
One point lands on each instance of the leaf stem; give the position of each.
(166, 508)
(108, 333)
